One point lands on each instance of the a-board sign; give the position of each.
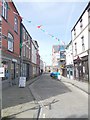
(22, 82)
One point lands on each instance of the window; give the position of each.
(16, 24)
(81, 25)
(23, 33)
(10, 42)
(74, 32)
(24, 50)
(5, 9)
(83, 45)
(75, 48)
(71, 73)
(88, 11)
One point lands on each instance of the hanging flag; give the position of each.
(43, 30)
(39, 26)
(63, 42)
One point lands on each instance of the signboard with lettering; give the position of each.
(2, 72)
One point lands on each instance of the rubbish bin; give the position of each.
(22, 82)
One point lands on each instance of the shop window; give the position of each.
(71, 73)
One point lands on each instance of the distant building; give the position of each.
(55, 57)
(41, 66)
(58, 58)
(35, 58)
(69, 61)
(49, 68)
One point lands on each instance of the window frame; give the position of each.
(16, 24)
(4, 9)
(10, 42)
(83, 44)
(75, 48)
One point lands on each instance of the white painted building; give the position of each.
(80, 40)
(34, 57)
(69, 60)
(55, 57)
(41, 65)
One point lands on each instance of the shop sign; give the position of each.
(14, 60)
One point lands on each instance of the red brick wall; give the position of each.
(8, 26)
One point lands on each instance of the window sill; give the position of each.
(4, 19)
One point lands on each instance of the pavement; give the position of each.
(19, 102)
(83, 85)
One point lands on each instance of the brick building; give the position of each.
(10, 37)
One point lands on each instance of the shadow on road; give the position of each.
(47, 87)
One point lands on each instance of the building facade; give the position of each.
(81, 47)
(69, 61)
(56, 57)
(25, 53)
(35, 58)
(10, 35)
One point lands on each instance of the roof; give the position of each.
(81, 15)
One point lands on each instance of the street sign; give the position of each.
(2, 73)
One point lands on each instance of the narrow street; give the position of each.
(58, 99)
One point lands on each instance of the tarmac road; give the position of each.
(58, 99)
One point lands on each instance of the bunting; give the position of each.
(40, 28)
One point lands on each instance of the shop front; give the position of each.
(12, 68)
(81, 71)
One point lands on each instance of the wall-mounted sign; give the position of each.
(14, 60)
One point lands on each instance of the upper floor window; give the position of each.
(83, 45)
(88, 11)
(24, 32)
(75, 48)
(81, 25)
(5, 9)
(16, 24)
(74, 32)
(10, 42)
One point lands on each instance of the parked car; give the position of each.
(55, 75)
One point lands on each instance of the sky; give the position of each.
(57, 18)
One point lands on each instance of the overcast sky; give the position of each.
(56, 18)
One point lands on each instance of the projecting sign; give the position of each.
(2, 73)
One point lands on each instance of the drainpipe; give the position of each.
(0, 66)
